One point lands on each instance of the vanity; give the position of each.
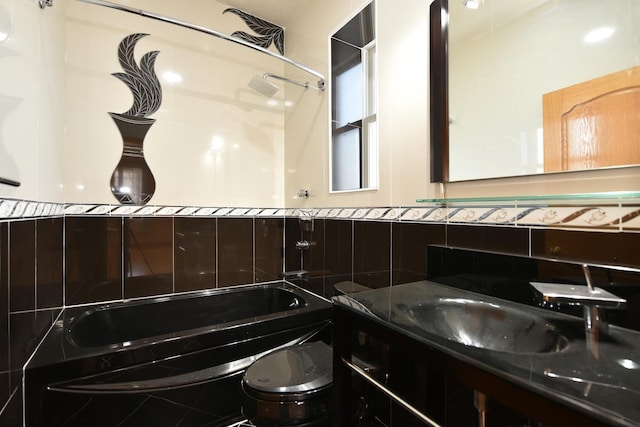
(443, 354)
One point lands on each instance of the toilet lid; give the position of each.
(295, 369)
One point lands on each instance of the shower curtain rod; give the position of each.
(163, 18)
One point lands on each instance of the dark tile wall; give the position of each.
(379, 254)
(31, 297)
(22, 247)
(49, 271)
(5, 373)
(372, 253)
(194, 254)
(114, 258)
(407, 250)
(93, 259)
(148, 256)
(235, 251)
(111, 258)
(269, 249)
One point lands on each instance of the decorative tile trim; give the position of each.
(13, 209)
(615, 217)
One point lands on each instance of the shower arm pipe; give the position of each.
(295, 82)
(168, 19)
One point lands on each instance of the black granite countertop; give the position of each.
(600, 378)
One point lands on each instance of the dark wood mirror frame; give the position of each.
(439, 90)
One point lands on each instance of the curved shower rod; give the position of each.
(163, 18)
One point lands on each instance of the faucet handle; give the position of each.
(578, 295)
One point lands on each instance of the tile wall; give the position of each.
(31, 292)
(115, 257)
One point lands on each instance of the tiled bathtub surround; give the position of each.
(112, 258)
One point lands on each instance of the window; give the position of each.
(354, 136)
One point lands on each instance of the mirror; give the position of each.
(533, 86)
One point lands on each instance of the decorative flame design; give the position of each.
(142, 80)
(270, 33)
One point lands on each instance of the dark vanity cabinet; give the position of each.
(448, 390)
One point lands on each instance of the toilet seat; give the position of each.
(290, 386)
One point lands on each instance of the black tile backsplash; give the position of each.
(194, 253)
(22, 247)
(338, 252)
(5, 386)
(148, 256)
(269, 249)
(409, 242)
(235, 251)
(110, 258)
(93, 259)
(498, 239)
(372, 253)
(605, 248)
(49, 247)
(292, 255)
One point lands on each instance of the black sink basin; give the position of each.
(485, 325)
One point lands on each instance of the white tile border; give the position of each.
(584, 217)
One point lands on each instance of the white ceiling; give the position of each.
(277, 12)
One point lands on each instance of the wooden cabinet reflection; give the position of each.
(594, 124)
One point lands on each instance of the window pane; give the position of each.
(346, 170)
(349, 95)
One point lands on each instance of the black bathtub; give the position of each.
(167, 360)
(178, 316)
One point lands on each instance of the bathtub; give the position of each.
(125, 360)
(178, 316)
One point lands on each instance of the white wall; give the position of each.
(215, 142)
(31, 100)
(43, 136)
(402, 35)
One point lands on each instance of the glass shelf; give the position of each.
(622, 197)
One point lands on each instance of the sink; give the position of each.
(484, 325)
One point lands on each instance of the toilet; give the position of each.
(292, 386)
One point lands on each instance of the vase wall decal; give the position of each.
(267, 32)
(132, 181)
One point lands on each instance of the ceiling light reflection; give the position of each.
(598, 35)
(628, 364)
(171, 77)
(472, 4)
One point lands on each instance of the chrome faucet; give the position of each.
(302, 245)
(595, 302)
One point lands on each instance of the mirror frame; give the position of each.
(439, 90)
